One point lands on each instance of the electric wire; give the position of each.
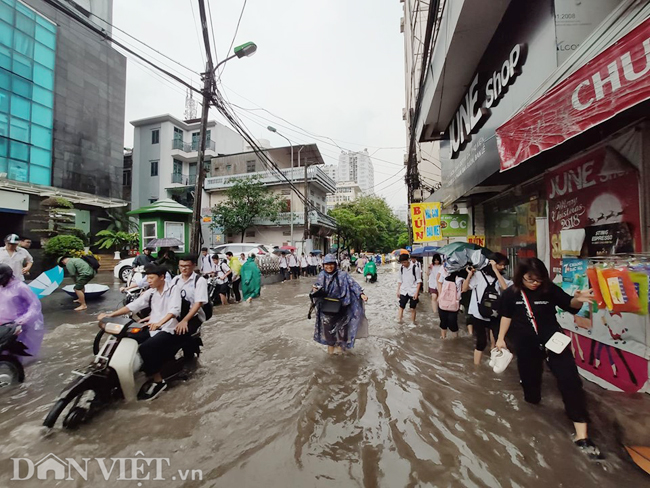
(241, 14)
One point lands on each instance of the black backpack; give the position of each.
(186, 305)
(92, 261)
(488, 305)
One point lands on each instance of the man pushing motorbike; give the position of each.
(166, 334)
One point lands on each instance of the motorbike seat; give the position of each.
(7, 331)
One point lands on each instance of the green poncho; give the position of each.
(370, 268)
(251, 279)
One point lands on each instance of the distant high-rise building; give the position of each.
(357, 167)
(330, 170)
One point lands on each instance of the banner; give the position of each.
(598, 193)
(615, 80)
(425, 218)
(454, 225)
(478, 240)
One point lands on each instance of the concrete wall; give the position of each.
(90, 85)
(144, 185)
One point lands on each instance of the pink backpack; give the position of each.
(448, 299)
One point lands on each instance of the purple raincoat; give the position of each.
(20, 305)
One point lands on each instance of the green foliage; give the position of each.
(81, 235)
(55, 213)
(63, 246)
(248, 199)
(118, 221)
(57, 202)
(116, 240)
(368, 224)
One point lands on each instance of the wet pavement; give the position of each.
(269, 408)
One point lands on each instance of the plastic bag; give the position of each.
(622, 293)
(592, 274)
(642, 287)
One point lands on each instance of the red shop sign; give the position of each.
(615, 80)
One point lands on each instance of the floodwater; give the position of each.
(269, 408)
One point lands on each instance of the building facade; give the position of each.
(62, 98)
(330, 170)
(357, 166)
(165, 157)
(307, 176)
(346, 192)
(548, 152)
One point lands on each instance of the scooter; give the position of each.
(114, 374)
(11, 370)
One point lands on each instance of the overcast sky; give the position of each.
(332, 67)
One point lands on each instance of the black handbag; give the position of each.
(328, 305)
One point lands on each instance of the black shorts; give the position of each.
(403, 299)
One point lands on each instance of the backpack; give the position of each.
(401, 272)
(186, 304)
(92, 261)
(488, 304)
(448, 299)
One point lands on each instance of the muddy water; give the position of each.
(268, 408)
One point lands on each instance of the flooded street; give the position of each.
(269, 408)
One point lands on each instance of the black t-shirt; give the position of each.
(543, 305)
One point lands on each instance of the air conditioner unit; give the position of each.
(417, 194)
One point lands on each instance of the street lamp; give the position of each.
(273, 129)
(245, 50)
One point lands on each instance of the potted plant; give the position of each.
(116, 240)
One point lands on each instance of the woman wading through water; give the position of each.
(528, 312)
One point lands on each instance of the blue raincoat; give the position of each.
(341, 329)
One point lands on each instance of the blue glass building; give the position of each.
(27, 63)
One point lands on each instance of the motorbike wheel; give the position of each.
(73, 417)
(10, 374)
(97, 342)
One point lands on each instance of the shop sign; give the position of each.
(426, 221)
(470, 113)
(615, 80)
(476, 239)
(597, 192)
(454, 225)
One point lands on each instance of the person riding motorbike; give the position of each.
(370, 271)
(21, 306)
(165, 337)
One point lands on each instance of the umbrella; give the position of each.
(280, 251)
(457, 246)
(317, 251)
(466, 257)
(91, 291)
(397, 252)
(426, 251)
(47, 282)
(287, 248)
(164, 242)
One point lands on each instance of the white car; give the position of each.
(123, 268)
(237, 249)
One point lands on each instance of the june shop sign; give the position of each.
(454, 225)
(425, 218)
(470, 114)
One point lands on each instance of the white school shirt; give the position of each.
(16, 261)
(196, 290)
(409, 282)
(283, 262)
(293, 261)
(303, 262)
(169, 301)
(222, 270)
(433, 276)
(206, 265)
(478, 285)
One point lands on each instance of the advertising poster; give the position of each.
(479, 240)
(455, 225)
(608, 366)
(599, 193)
(426, 221)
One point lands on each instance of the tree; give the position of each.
(368, 224)
(55, 217)
(248, 199)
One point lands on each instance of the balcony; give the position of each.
(315, 219)
(270, 178)
(187, 148)
(185, 180)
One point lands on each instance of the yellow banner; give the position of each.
(478, 240)
(425, 218)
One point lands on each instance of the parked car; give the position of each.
(237, 249)
(123, 268)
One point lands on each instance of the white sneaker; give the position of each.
(493, 355)
(502, 360)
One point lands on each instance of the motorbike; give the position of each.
(114, 373)
(11, 370)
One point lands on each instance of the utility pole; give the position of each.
(208, 79)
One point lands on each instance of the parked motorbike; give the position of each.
(114, 373)
(11, 370)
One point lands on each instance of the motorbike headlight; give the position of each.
(113, 328)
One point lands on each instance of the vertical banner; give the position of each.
(425, 218)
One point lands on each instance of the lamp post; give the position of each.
(247, 49)
(273, 129)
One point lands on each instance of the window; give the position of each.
(178, 134)
(154, 168)
(149, 230)
(176, 230)
(126, 177)
(228, 167)
(250, 166)
(250, 233)
(286, 232)
(155, 137)
(178, 167)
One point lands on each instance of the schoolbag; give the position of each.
(401, 272)
(186, 305)
(92, 261)
(488, 305)
(448, 300)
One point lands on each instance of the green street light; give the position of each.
(244, 51)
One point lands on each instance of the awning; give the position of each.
(50, 191)
(607, 75)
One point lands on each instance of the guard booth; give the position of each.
(165, 218)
